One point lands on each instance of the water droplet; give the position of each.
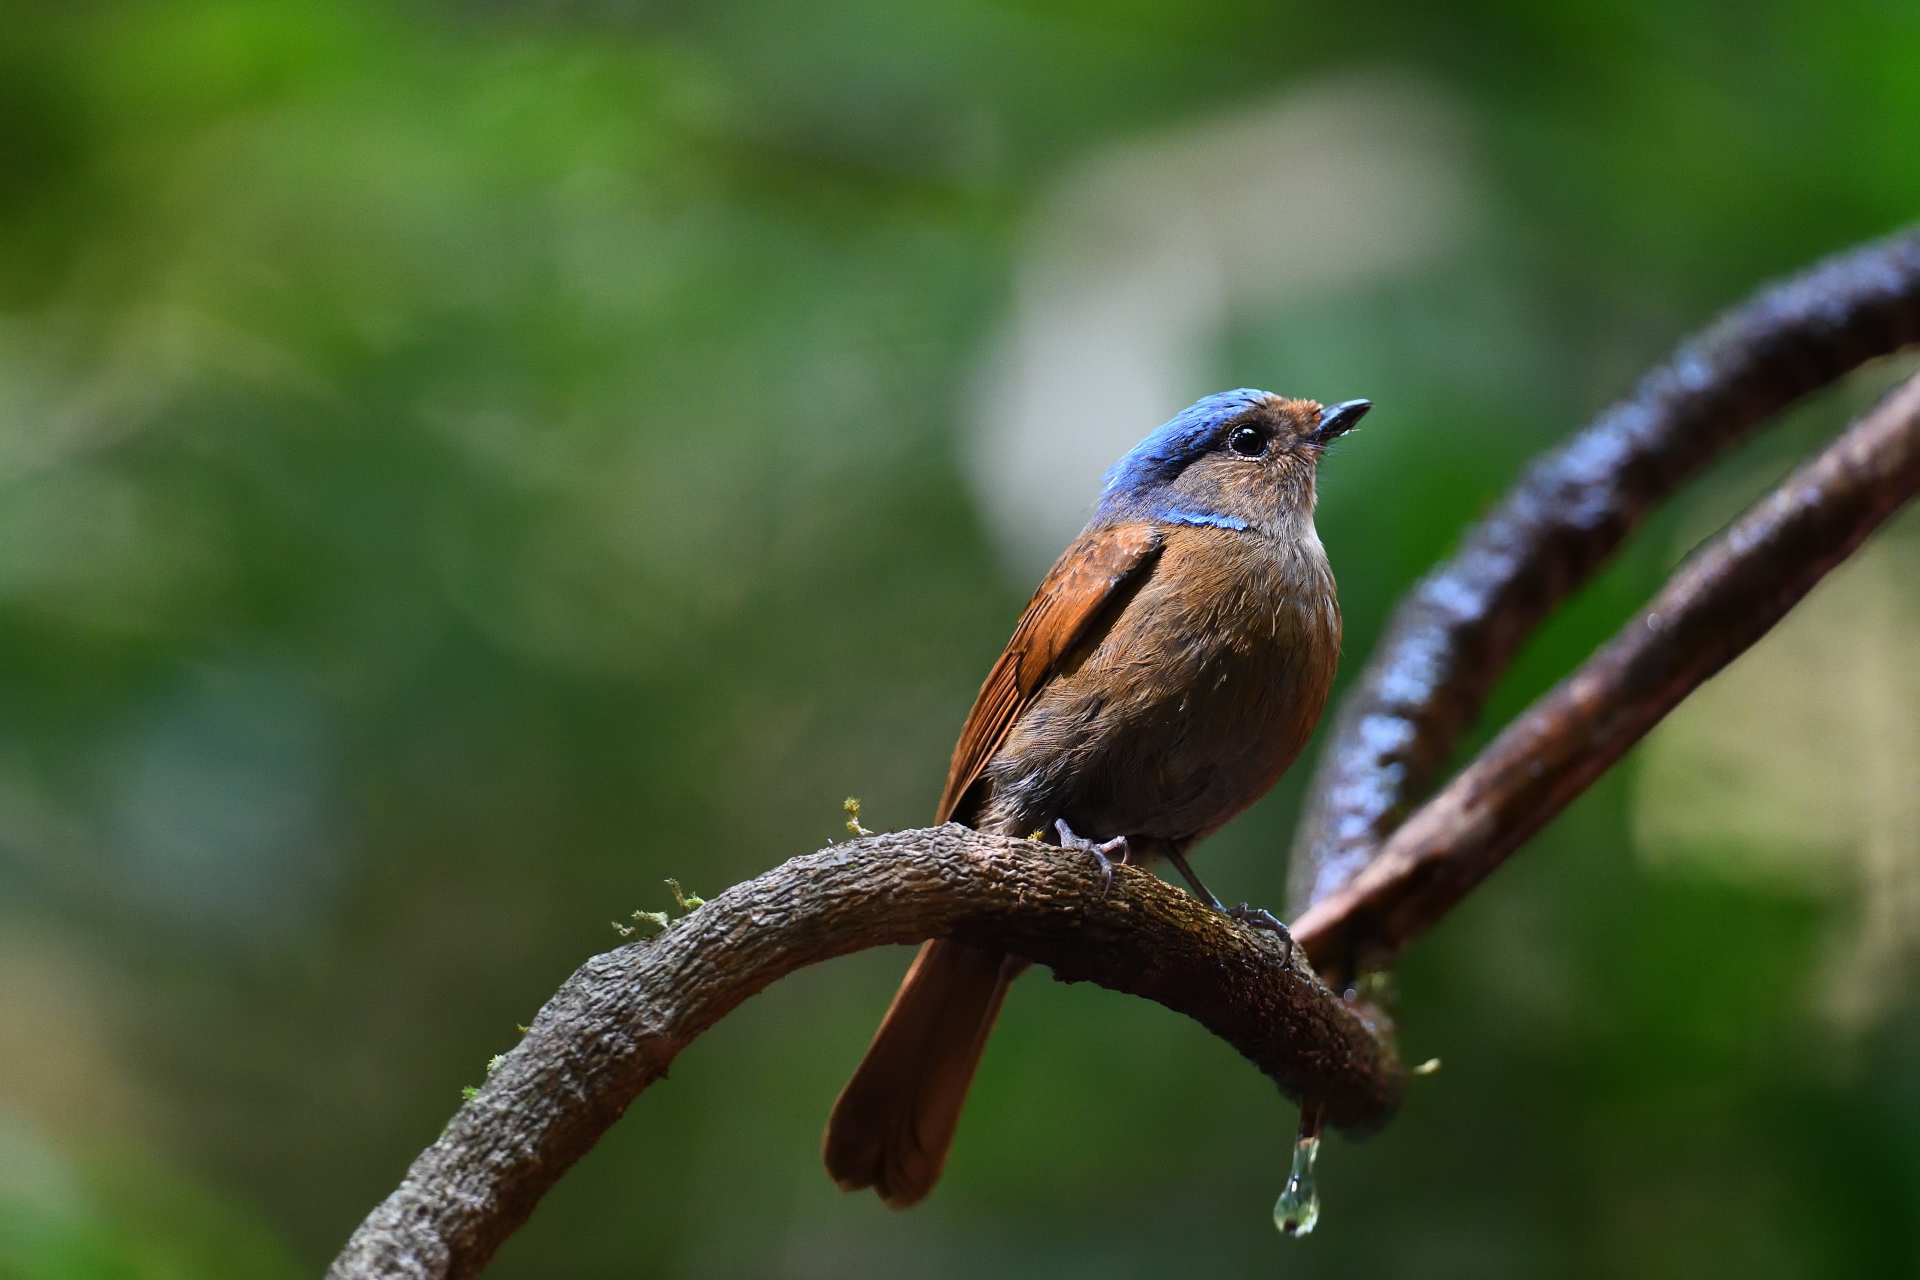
(1298, 1208)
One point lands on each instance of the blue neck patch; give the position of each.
(1203, 518)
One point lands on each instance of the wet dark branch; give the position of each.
(616, 1024)
(1456, 633)
(1724, 598)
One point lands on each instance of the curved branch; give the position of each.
(1454, 635)
(1724, 598)
(621, 1018)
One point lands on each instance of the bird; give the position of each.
(1169, 668)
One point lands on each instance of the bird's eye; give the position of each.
(1248, 442)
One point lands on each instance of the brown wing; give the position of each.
(1058, 617)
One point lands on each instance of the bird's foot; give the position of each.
(1071, 839)
(1261, 918)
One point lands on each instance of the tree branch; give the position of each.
(1724, 598)
(1454, 635)
(617, 1023)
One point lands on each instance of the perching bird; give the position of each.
(1165, 674)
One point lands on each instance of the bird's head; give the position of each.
(1235, 460)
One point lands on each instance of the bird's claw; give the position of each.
(1261, 918)
(1071, 839)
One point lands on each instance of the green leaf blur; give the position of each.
(462, 464)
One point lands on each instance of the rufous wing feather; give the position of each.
(1062, 614)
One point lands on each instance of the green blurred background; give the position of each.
(463, 463)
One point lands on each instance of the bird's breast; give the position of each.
(1192, 702)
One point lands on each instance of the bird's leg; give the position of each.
(1070, 839)
(1179, 860)
(1258, 917)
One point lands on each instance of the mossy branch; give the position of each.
(618, 1022)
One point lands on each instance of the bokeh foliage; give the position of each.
(463, 463)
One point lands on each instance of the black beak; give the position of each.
(1338, 419)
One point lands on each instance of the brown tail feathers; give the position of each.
(894, 1121)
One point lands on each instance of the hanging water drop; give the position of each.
(1298, 1208)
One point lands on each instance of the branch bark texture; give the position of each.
(1454, 635)
(1729, 594)
(618, 1022)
